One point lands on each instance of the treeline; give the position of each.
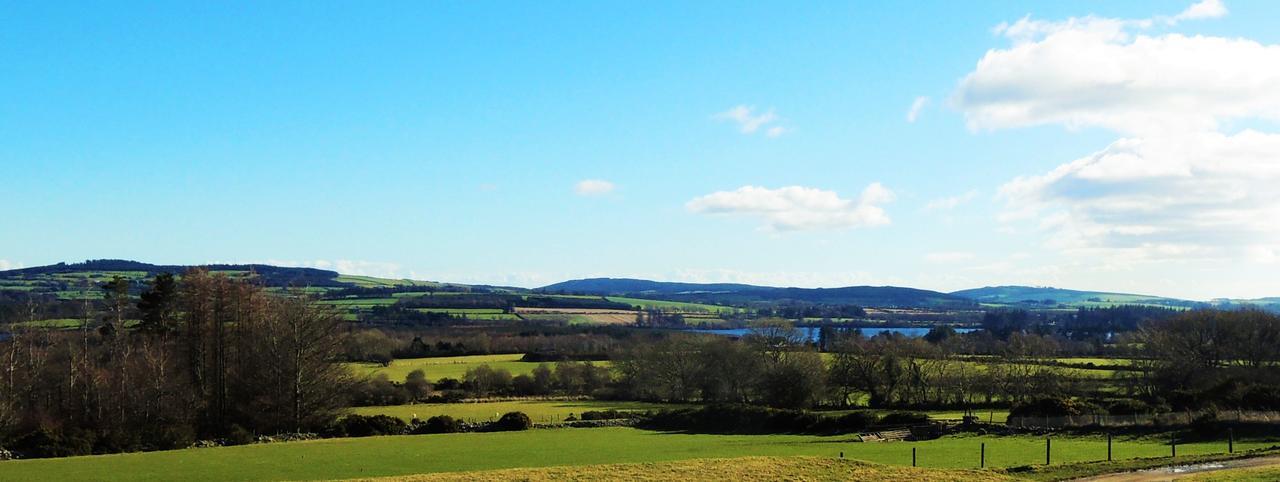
(382, 345)
(507, 302)
(565, 378)
(212, 357)
(1212, 359)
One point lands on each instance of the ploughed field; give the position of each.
(418, 454)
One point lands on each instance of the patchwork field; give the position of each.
(579, 315)
(405, 455)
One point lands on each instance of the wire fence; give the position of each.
(1144, 420)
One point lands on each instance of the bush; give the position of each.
(1129, 407)
(853, 422)
(366, 426)
(752, 419)
(904, 419)
(438, 424)
(237, 435)
(1053, 407)
(604, 415)
(512, 421)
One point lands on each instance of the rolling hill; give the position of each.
(1033, 295)
(735, 294)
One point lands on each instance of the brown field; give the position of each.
(746, 468)
(581, 315)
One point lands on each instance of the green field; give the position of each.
(540, 411)
(671, 305)
(400, 455)
(374, 282)
(360, 302)
(449, 367)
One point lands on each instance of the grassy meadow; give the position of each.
(450, 367)
(416, 454)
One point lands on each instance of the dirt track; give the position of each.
(1183, 471)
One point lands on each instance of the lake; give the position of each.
(811, 332)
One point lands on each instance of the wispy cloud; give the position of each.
(795, 208)
(593, 187)
(916, 106)
(750, 122)
(6, 265)
(1203, 9)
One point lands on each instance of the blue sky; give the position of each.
(447, 141)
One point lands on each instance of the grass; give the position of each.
(360, 302)
(671, 305)
(1257, 474)
(417, 454)
(1082, 470)
(398, 455)
(742, 468)
(449, 367)
(540, 411)
(375, 282)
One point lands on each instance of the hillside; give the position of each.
(734, 294)
(68, 280)
(1032, 295)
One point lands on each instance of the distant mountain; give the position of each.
(1033, 295)
(269, 275)
(730, 293)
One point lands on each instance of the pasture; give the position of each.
(449, 367)
(671, 305)
(415, 454)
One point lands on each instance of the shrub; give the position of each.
(853, 422)
(604, 415)
(753, 419)
(237, 435)
(365, 426)
(1129, 407)
(438, 424)
(1053, 407)
(512, 421)
(905, 418)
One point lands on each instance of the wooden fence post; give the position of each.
(1048, 448)
(913, 456)
(1108, 446)
(982, 461)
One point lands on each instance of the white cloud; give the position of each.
(916, 106)
(948, 257)
(1087, 72)
(794, 208)
(950, 202)
(1175, 186)
(1203, 9)
(1198, 195)
(593, 187)
(749, 122)
(6, 265)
